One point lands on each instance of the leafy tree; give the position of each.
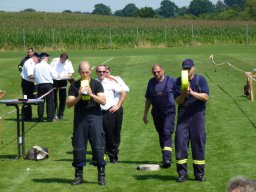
(220, 6)
(146, 12)
(234, 3)
(182, 11)
(198, 7)
(168, 9)
(29, 10)
(251, 8)
(101, 9)
(129, 10)
(119, 13)
(67, 11)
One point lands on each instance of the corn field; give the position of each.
(81, 31)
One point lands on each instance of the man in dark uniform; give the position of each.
(159, 94)
(87, 97)
(191, 123)
(31, 51)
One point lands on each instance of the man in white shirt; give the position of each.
(64, 68)
(28, 83)
(110, 112)
(44, 75)
(119, 115)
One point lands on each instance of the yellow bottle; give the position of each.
(184, 80)
(85, 96)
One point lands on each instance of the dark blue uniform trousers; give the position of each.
(164, 124)
(88, 126)
(190, 126)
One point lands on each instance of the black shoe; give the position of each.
(101, 175)
(200, 178)
(182, 178)
(78, 176)
(113, 160)
(60, 117)
(77, 181)
(166, 164)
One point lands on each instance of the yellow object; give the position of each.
(85, 83)
(184, 80)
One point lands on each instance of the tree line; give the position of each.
(227, 9)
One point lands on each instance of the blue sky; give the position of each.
(81, 5)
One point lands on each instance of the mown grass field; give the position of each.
(230, 122)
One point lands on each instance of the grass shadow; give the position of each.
(156, 177)
(10, 119)
(12, 157)
(138, 162)
(63, 160)
(56, 180)
(87, 153)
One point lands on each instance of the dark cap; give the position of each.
(36, 55)
(187, 64)
(44, 55)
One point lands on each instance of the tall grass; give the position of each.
(80, 31)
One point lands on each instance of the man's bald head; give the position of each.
(84, 65)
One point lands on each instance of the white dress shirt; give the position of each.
(123, 85)
(28, 69)
(44, 73)
(62, 69)
(110, 89)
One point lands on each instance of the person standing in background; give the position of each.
(159, 94)
(119, 112)
(30, 53)
(44, 75)
(28, 83)
(64, 68)
(110, 111)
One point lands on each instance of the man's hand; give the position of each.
(145, 119)
(114, 108)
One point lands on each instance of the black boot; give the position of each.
(78, 176)
(101, 175)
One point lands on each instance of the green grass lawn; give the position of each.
(230, 122)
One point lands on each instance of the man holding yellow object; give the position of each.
(159, 94)
(191, 121)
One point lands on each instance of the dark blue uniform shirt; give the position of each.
(197, 84)
(161, 94)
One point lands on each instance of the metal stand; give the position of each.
(20, 129)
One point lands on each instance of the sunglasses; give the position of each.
(156, 72)
(101, 71)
